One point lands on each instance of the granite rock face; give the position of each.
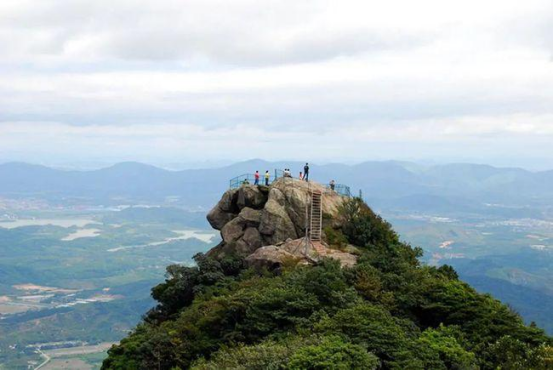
(299, 251)
(252, 218)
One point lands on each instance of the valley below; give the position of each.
(512, 259)
(74, 282)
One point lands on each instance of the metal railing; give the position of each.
(245, 179)
(341, 189)
(249, 178)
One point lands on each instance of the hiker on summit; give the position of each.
(267, 177)
(332, 184)
(256, 182)
(306, 172)
(301, 176)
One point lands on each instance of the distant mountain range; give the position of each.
(388, 184)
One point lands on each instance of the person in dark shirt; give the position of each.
(306, 172)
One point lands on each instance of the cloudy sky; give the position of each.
(182, 83)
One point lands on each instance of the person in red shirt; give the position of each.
(256, 177)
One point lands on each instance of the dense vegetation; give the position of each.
(388, 311)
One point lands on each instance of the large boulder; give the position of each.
(276, 195)
(225, 210)
(271, 257)
(233, 230)
(276, 225)
(251, 217)
(299, 251)
(218, 218)
(297, 193)
(229, 200)
(250, 196)
(296, 207)
(252, 239)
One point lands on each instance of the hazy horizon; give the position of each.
(179, 166)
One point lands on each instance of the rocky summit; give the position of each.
(267, 224)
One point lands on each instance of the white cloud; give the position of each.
(164, 142)
(249, 32)
(193, 75)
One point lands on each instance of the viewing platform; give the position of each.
(249, 178)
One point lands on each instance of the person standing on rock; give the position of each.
(332, 184)
(267, 177)
(306, 172)
(256, 181)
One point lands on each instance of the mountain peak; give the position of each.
(131, 165)
(268, 224)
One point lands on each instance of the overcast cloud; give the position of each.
(169, 82)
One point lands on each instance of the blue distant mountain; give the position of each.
(388, 183)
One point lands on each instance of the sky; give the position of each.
(190, 83)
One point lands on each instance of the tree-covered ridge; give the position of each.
(388, 312)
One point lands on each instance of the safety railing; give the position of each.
(341, 189)
(249, 178)
(245, 179)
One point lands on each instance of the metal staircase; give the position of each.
(316, 218)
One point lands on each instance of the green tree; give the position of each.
(333, 353)
(268, 355)
(371, 326)
(362, 227)
(508, 353)
(439, 349)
